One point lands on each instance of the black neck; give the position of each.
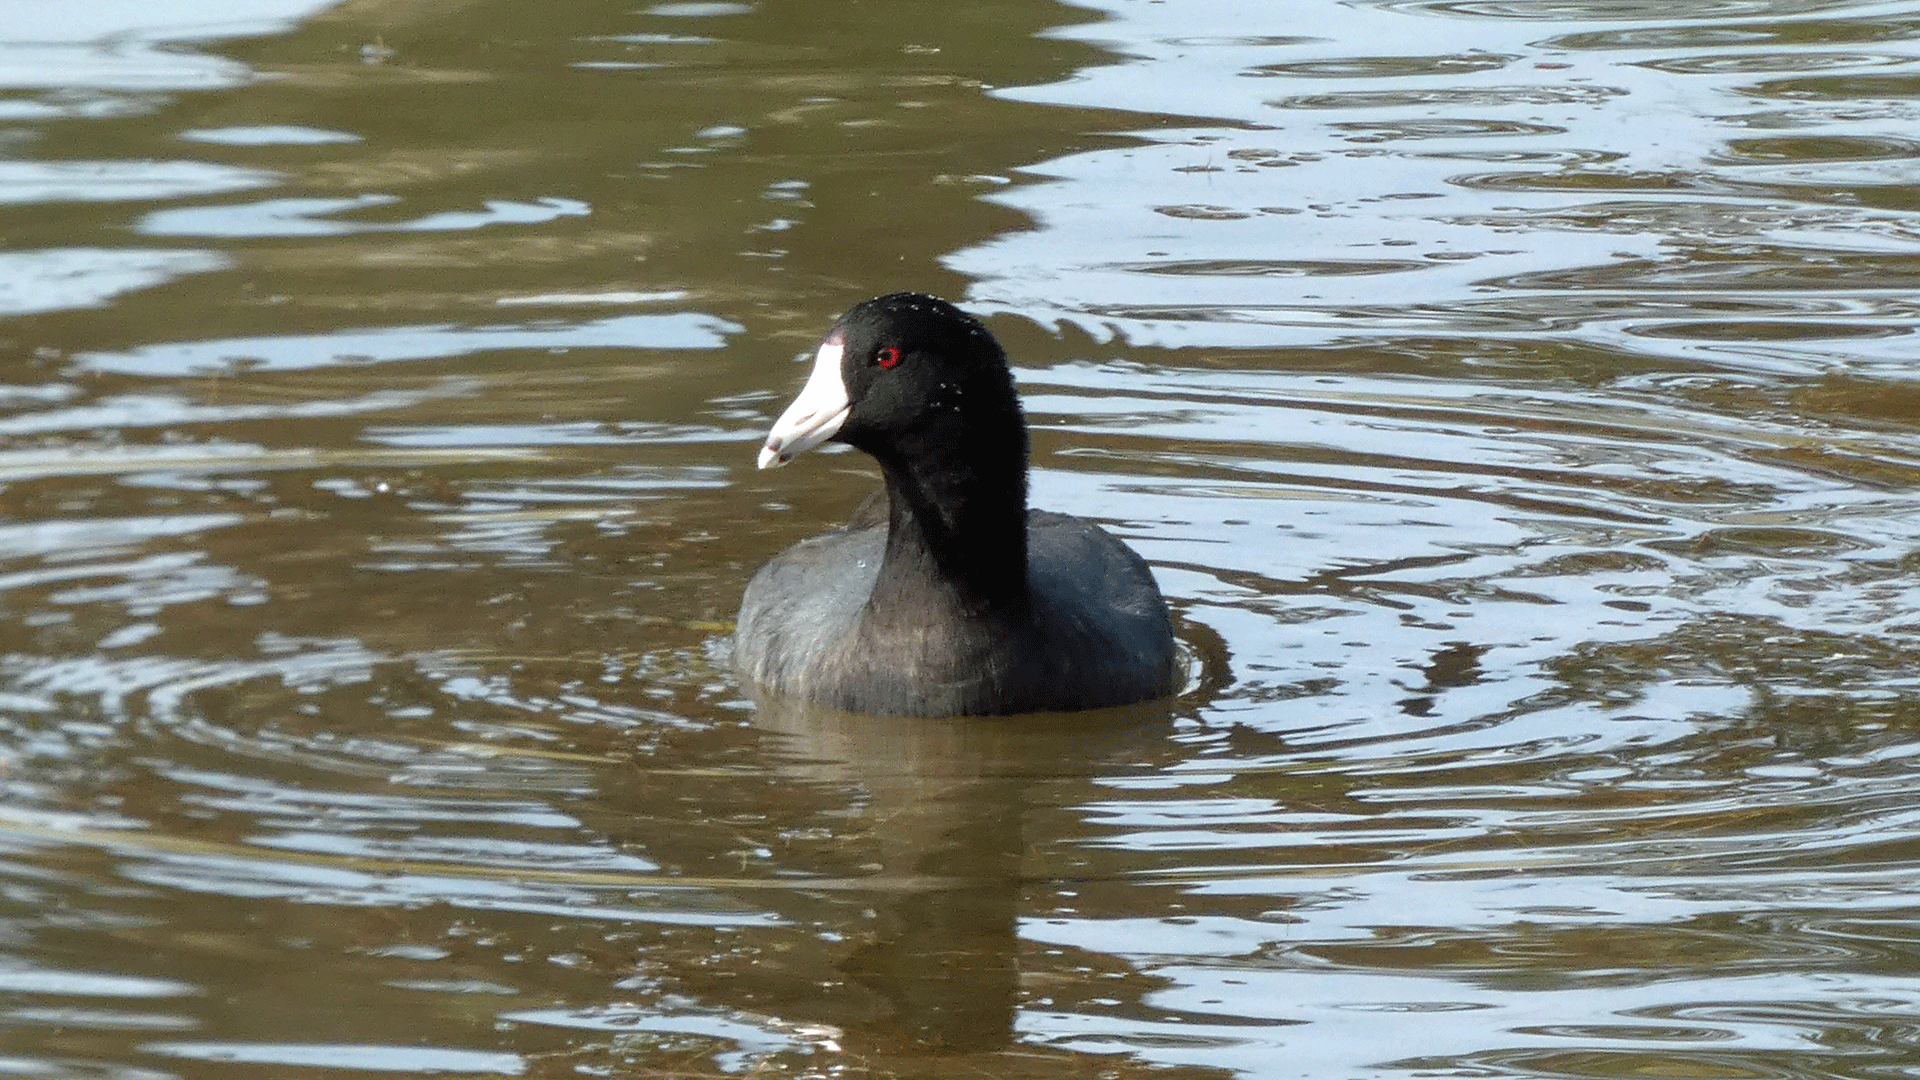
(957, 518)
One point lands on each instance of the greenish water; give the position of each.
(1516, 401)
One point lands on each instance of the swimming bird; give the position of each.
(950, 597)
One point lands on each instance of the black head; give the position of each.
(913, 364)
(903, 375)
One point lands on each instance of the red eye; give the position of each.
(887, 356)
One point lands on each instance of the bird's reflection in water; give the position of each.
(943, 803)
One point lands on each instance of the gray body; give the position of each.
(1094, 618)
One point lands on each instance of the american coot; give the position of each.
(953, 598)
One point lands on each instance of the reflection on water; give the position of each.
(1514, 400)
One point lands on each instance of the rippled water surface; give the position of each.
(1516, 399)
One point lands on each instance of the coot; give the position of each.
(951, 597)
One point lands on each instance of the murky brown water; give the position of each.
(1517, 400)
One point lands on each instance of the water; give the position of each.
(1514, 399)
